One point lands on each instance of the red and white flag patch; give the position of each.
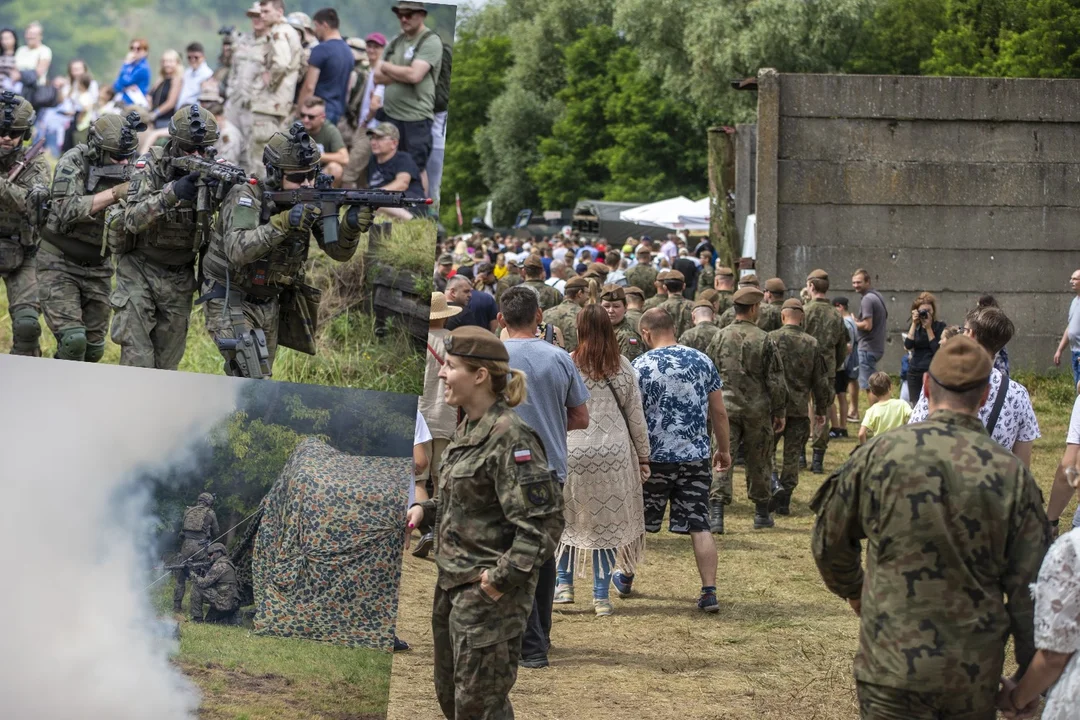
(522, 456)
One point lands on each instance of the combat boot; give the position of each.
(762, 519)
(716, 517)
(781, 504)
(816, 467)
(802, 459)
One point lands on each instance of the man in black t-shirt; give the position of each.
(390, 170)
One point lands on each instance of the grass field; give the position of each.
(349, 352)
(781, 646)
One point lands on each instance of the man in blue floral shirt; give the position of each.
(680, 391)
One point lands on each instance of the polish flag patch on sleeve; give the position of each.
(522, 456)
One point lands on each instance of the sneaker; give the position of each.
(534, 663)
(564, 594)
(603, 608)
(622, 583)
(423, 547)
(707, 602)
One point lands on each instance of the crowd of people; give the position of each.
(576, 394)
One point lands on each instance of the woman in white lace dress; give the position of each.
(606, 465)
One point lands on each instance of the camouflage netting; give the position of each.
(326, 556)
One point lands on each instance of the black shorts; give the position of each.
(842, 381)
(415, 137)
(686, 485)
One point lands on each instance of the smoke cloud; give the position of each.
(78, 633)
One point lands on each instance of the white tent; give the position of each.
(699, 218)
(665, 213)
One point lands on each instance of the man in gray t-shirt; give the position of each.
(1071, 337)
(554, 403)
(872, 326)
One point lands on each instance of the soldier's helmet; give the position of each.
(193, 127)
(17, 118)
(206, 498)
(292, 153)
(216, 548)
(116, 136)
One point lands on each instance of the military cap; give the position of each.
(709, 295)
(749, 281)
(468, 260)
(446, 259)
(599, 268)
(675, 275)
(484, 268)
(635, 291)
(775, 285)
(254, 10)
(409, 6)
(613, 293)
(385, 129)
(663, 275)
(534, 261)
(475, 342)
(961, 365)
(792, 304)
(724, 271)
(747, 296)
(577, 282)
(819, 274)
(703, 303)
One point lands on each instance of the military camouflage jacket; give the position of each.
(245, 79)
(955, 532)
(282, 55)
(821, 320)
(210, 526)
(168, 225)
(564, 316)
(13, 207)
(549, 296)
(632, 317)
(631, 345)
(681, 311)
(71, 227)
(768, 318)
(220, 580)
(700, 336)
(498, 508)
(655, 300)
(725, 302)
(642, 277)
(705, 280)
(804, 370)
(508, 281)
(752, 371)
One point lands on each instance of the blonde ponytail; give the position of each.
(594, 292)
(515, 388)
(507, 384)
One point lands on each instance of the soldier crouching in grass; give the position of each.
(497, 516)
(218, 588)
(955, 534)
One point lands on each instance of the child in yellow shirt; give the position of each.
(886, 412)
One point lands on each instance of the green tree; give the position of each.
(898, 38)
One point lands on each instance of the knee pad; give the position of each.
(94, 352)
(25, 330)
(71, 344)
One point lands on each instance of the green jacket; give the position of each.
(804, 370)
(752, 371)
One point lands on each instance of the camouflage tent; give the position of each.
(325, 551)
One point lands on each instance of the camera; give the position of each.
(924, 314)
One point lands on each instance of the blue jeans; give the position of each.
(1076, 367)
(602, 560)
(867, 367)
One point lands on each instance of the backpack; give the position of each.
(442, 83)
(195, 519)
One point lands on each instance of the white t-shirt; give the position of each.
(1073, 436)
(1074, 325)
(370, 88)
(421, 435)
(27, 59)
(192, 85)
(438, 131)
(557, 283)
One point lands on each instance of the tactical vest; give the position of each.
(266, 277)
(195, 521)
(14, 227)
(173, 239)
(82, 243)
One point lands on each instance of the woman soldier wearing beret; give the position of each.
(497, 516)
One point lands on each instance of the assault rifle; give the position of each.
(216, 178)
(35, 150)
(329, 200)
(113, 172)
(199, 567)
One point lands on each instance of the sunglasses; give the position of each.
(302, 177)
(405, 14)
(308, 116)
(12, 133)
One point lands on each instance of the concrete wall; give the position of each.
(745, 162)
(959, 186)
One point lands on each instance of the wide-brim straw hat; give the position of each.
(440, 309)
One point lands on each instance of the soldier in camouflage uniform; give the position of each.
(262, 263)
(564, 315)
(598, 272)
(534, 278)
(704, 331)
(20, 199)
(660, 293)
(245, 82)
(825, 324)
(643, 275)
(613, 300)
(282, 54)
(677, 306)
(635, 301)
(768, 315)
(724, 284)
(955, 533)
(497, 517)
(219, 588)
(774, 292)
(73, 265)
(707, 275)
(510, 279)
(200, 526)
(804, 371)
(755, 394)
(157, 248)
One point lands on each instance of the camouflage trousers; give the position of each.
(242, 119)
(756, 437)
(75, 296)
(22, 290)
(877, 702)
(152, 309)
(222, 601)
(686, 486)
(796, 431)
(821, 435)
(257, 316)
(190, 550)
(263, 128)
(477, 647)
(355, 174)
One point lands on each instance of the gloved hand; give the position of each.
(299, 217)
(184, 188)
(359, 217)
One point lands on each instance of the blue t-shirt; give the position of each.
(335, 61)
(554, 385)
(481, 312)
(675, 383)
